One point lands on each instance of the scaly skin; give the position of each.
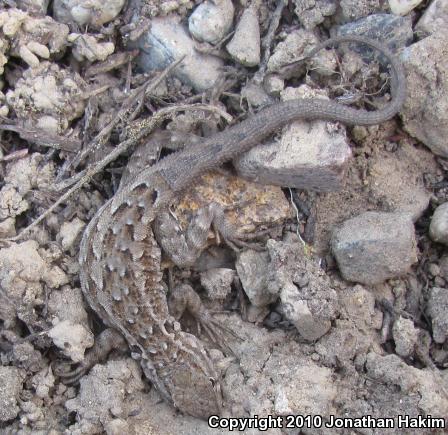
(120, 259)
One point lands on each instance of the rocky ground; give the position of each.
(343, 313)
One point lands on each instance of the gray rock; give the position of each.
(352, 333)
(438, 229)
(425, 112)
(11, 380)
(43, 382)
(106, 393)
(256, 314)
(434, 19)
(307, 297)
(437, 310)
(95, 13)
(405, 336)
(373, 247)
(26, 357)
(12, 202)
(256, 95)
(443, 264)
(297, 310)
(358, 306)
(343, 344)
(7, 227)
(291, 49)
(167, 41)
(395, 32)
(426, 383)
(433, 269)
(309, 155)
(311, 14)
(274, 84)
(217, 282)
(211, 20)
(72, 338)
(400, 189)
(245, 44)
(351, 10)
(34, 7)
(252, 270)
(311, 388)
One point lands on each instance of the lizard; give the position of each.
(120, 255)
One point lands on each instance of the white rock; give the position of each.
(217, 282)
(245, 44)
(12, 202)
(70, 231)
(11, 385)
(292, 48)
(402, 7)
(438, 229)
(72, 339)
(88, 47)
(48, 123)
(211, 21)
(297, 311)
(405, 335)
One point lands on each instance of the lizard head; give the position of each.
(193, 381)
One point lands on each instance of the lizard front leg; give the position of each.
(184, 248)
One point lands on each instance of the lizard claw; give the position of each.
(236, 244)
(217, 332)
(184, 298)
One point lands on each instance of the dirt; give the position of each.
(319, 347)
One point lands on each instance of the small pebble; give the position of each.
(211, 21)
(438, 229)
(402, 7)
(434, 269)
(245, 44)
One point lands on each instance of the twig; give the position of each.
(121, 115)
(42, 138)
(19, 154)
(112, 62)
(267, 40)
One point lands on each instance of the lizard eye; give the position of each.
(212, 381)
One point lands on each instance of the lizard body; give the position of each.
(120, 258)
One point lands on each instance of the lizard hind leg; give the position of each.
(183, 298)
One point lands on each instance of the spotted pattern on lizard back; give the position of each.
(133, 300)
